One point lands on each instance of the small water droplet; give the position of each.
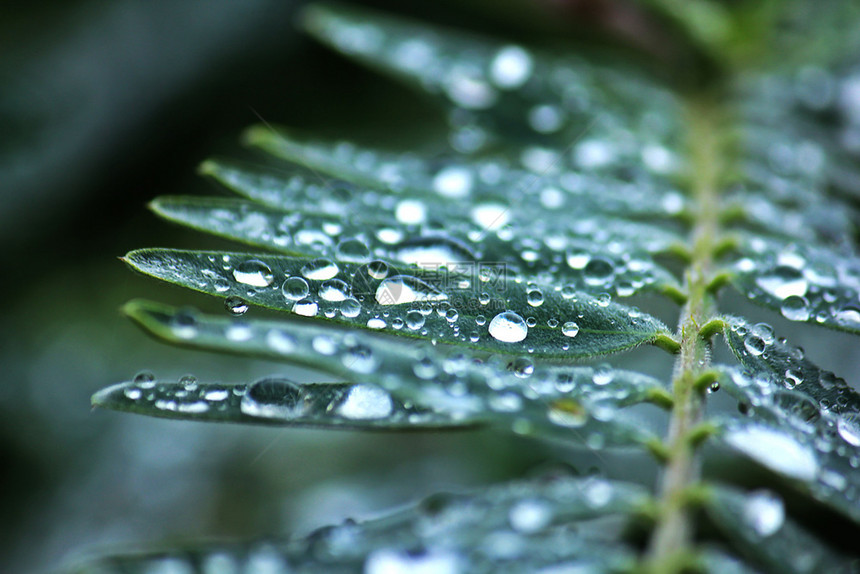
(184, 324)
(350, 308)
(491, 216)
(598, 271)
(376, 323)
(144, 379)
(795, 308)
(522, 367)
(764, 512)
(254, 272)
(848, 426)
(848, 317)
(414, 320)
(529, 516)
(754, 345)
(235, 305)
(508, 327)
(570, 329)
(410, 212)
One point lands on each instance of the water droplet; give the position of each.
(598, 271)
(377, 269)
(603, 375)
(511, 67)
(848, 426)
(254, 272)
(235, 305)
(350, 307)
(402, 289)
(320, 269)
(353, 250)
(239, 331)
(508, 327)
(453, 181)
(295, 288)
(848, 317)
(530, 516)
(144, 379)
(522, 367)
(567, 412)
(491, 216)
(324, 345)
(365, 402)
(184, 324)
(795, 308)
(784, 281)
(273, 399)
(360, 359)
(334, 290)
(189, 382)
(132, 393)
(754, 345)
(764, 512)
(433, 251)
(424, 368)
(410, 212)
(376, 323)
(280, 341)
(774, 449)
(414, 320)
(570, 329)
(535, 297)
(306, 308)
(391, 561)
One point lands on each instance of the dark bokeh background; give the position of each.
(106, 104)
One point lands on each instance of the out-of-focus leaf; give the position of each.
(582, 405)
(541, 526)
(788, 433)
(805, 283)
(757, 524)
(612, 120)
(471, 307)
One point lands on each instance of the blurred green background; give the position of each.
(103, 106)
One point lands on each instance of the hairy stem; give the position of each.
(671, 543)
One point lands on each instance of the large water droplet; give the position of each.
(774, 449)
(254, 272)
(406, 289)
(306, 308)
(334, 290)
(365, 402)
(784, 281)
(414, 320)
(273, 399)
(848, 317)
(320, 269)
(848, 426)
(352, 249)
(764, 512)
(295, 288)
(410, 212)
(535, 297)
(433, 251)
(508, 327)
(598, 271)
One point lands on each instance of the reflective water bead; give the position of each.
(235, 305)
(410, 212)
(306, 308)
(508, 327)
(254, 272)
(295, 288)
(402, 289)
(764, 512)
(570, 329)
(530, 515)
(350, 307)
(377, 269)
(535, 297)
(795, 308)
(353, 250)
(364, 402)
(511, 67)
(784, 281)
(320, 269)
(334, 290)
(453, 181)
(184, 324)
(273, 399)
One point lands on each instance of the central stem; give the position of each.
(672, 539)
